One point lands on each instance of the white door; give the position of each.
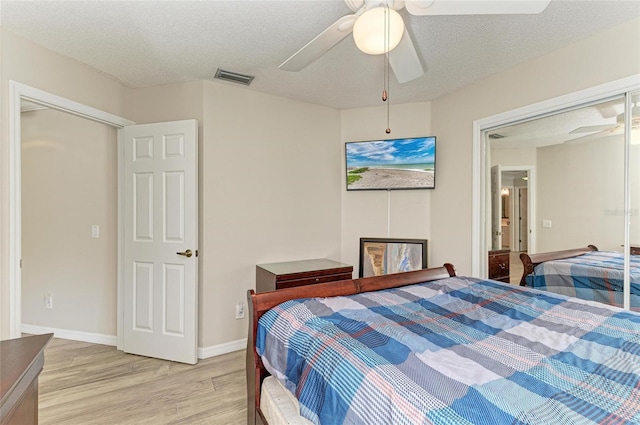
(496, 207)
(161, 240)
(524, 218)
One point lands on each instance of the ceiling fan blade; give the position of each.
(612, 130)
(475, 7)
(591, 128)
(607, 110)
(585, 139)
(320, 45)
(404, 60)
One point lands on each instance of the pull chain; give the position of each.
(385, 73)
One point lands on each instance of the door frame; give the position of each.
(515, 116)
(18, 91)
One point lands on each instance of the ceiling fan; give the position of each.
(604, 130)
(402, 55)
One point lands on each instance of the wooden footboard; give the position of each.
(258, 304)
(530, 261)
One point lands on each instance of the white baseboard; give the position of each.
(217, 350)
(203, 352)
(72, 335)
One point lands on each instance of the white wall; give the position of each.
(524, 156)
(378, 213)
(69, 183)
(605, 57)
(634, 237)
(271, 180)
(580, 188)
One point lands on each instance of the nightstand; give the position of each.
(274, 276)
(499, 265)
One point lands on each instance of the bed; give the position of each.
(435, 348)
(583, 273)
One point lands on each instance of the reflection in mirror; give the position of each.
(579, 160)
(634, 200)
(579, 198)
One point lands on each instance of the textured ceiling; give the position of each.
(583, 124)
(158, 42)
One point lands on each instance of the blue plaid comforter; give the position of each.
(456, 351)
(595, 276)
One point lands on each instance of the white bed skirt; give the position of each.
(278, 405)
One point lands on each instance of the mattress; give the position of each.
(278, 405)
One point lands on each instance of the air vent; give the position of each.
(233, 77)
(496, 136)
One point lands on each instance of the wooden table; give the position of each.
(21, 361)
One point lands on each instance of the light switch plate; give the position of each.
(95, 231)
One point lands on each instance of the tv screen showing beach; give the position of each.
(391, 164)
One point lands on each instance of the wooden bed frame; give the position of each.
(258, 304)
(530, 261)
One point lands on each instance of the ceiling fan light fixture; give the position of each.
(369, 30)
(635, 115)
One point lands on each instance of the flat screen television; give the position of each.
(392, 164)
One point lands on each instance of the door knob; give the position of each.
(187, 253)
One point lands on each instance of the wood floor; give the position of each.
(84, 384)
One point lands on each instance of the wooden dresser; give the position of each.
(21, 361)
(274, 276)
(499, 265)
(634, 249)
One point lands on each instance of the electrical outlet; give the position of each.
(240, 310)
(48, 300)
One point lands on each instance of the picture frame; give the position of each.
(381, 256)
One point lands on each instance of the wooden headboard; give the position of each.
(258, 304)
(530, 261)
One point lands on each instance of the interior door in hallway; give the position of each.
(523, 197)
(496, 207)
(161, 240)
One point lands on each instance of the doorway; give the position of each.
(19, 93)
(69, 225)
(515, 214)
(176, 204)
(512, 205)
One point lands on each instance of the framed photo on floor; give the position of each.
(381, 256)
